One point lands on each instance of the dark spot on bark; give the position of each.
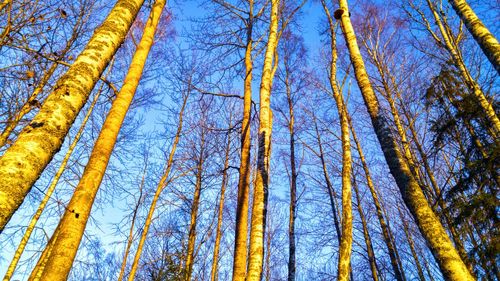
(338, 14)
(36, 124)
(35, 103)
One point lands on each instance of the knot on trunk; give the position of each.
(338, 14)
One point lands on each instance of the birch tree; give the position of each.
(24, 161)
(452, 266)
(56, 261)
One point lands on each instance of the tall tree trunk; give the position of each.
(162, 184)
(259, 208)
(366, 233)
(293, 177)
(241, 229)
(22, 163)
(69, 232)
(49, 192)
(194, 211)
(486, 40)
(344, 261)
(218, 234)
(451, 265)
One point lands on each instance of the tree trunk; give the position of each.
(366, 234)
(241, 229)
(218, 234)
(451, 265)
(469, 81)
(48, 193)
(194, 211)
(486, 40)
(22, 163)
(70, 230)
(259, 208)
(293, 177)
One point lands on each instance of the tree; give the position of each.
(441, 246)
(23, 162)
(485, 39)
(57, 259)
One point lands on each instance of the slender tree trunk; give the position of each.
(331, 192)
(366, 234)
(452, 266)
(259, 208)
(293, 176)
(70, 230)
(344, 261)
(48, 193)
(412, 247)
(218, 234)
(194, 211)
(162, 184)
(132, 225)
(24, 161)
(241, 229)
(486, 40)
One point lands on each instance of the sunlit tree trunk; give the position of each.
(451, 265)
(49, 192)
(24, 161)
(33, 100)
(344, 261)
(218, 233)
(366, 233)
(241, 229)
(259, 208)
(486, 40)
(69, 232)
(194, 210)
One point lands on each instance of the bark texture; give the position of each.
(259, 208)
(486, 40)
(241, 229)
(22, 164)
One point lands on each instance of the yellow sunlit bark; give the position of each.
(48, 193)
(486, 40)
(24, 161)
(241, 229)
(69, 232)
(259, 208)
